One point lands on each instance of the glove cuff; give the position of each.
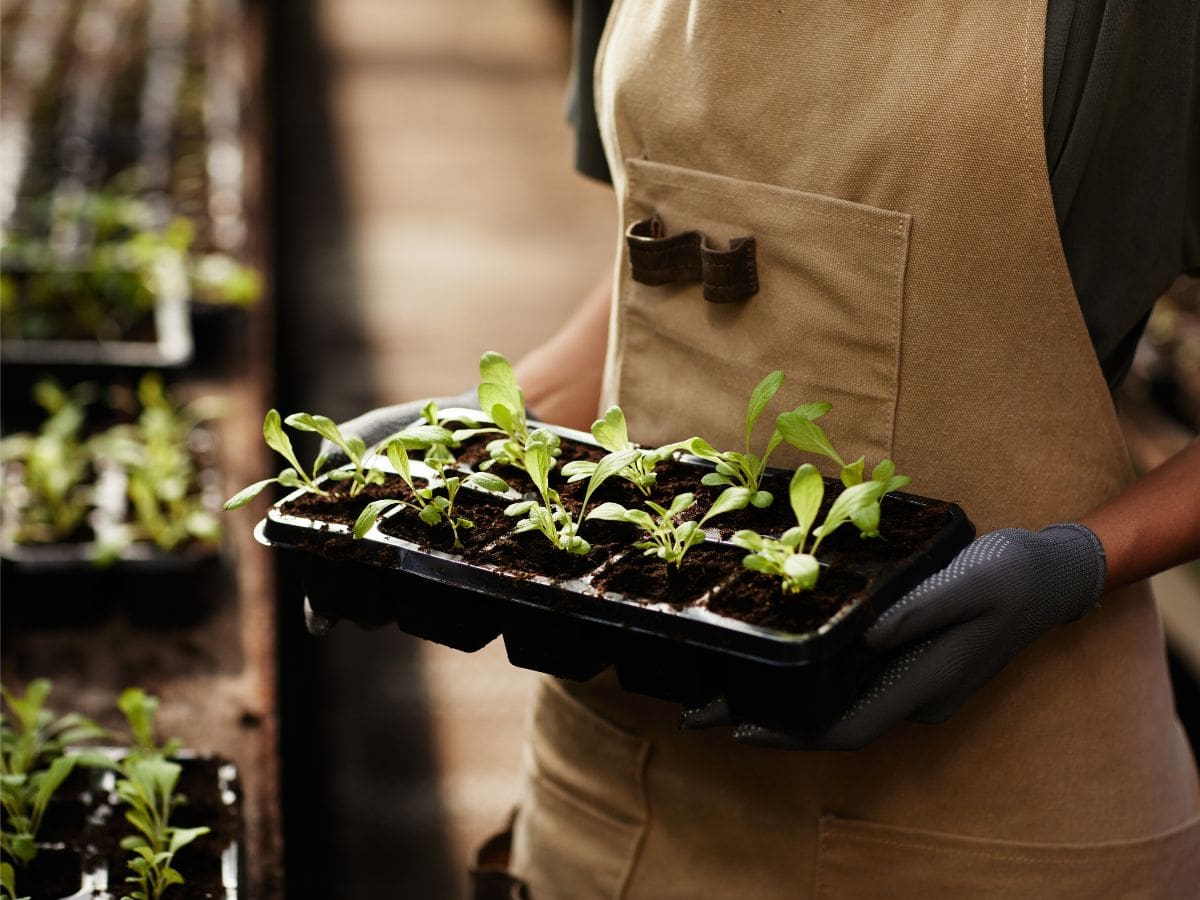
(1082, 547)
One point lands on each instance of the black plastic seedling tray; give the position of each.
(63, 585)
(568, 627)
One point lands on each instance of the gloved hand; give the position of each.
(953, 632)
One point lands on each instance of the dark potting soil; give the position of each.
(336, 505)
(51, 875)
(486, 514)
(533, 554)
(756, 599)
(649, 578)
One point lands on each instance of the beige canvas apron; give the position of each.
(888, 159)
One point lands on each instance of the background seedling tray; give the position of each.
(568, 628)
(84, 822)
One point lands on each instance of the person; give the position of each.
(960, 216)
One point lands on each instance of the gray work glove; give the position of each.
(953, 632)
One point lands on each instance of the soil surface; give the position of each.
(649, 578)
(336, 505)
(485, 513)
(756, 599)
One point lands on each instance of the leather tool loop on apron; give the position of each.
(728, 275)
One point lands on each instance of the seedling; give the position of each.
(746, 468)
(612, 434)
(33, 766)
(141, 710)
(503, 402)
(162, 483)
(667, 540)
(549, 516)
(147, 785)
(55, 468)
(786, 557)
(294, 475)
(431, 507)
(799, 428)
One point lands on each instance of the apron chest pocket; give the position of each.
(827, 311)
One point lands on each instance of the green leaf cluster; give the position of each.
(58, 467)
(503, 403)
(432, 507)
(746, 468)
(162, 481)
(146, 784)
(92, 265)
(666, 539)
(33, 765)
(786, 557)
(548, 516)
(612, 434)
(295, 475)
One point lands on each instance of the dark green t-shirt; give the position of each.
(1122, 148)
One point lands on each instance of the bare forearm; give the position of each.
(1155, 523)
(561, 378)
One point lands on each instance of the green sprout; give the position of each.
(162, 479)
(746, 468)
(549, 516)
(294, 475)
(786, 557)
(33, 765)
(667, 540)
(431, 507)
(147, 786)
(55, 467)
(503, 402)
(612, 434)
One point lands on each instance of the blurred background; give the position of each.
(321, 205)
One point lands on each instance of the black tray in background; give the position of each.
(569, 630)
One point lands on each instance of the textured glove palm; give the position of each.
(956, 630)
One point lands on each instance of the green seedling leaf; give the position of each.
(421, 436)
(488, 482)
(321, 425)
(702, 448)
(727, 501)
(277, 440)
(578, 469)
(246, 494)
(804, 434)
(762, 499)
(800, 572)
(759, 398)
(853, 473)
(884, 471)
(805, 493)
(607, 467)
(371, 512)
(852, 501)
(611, 432)
(747, 539)
(714, 479)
